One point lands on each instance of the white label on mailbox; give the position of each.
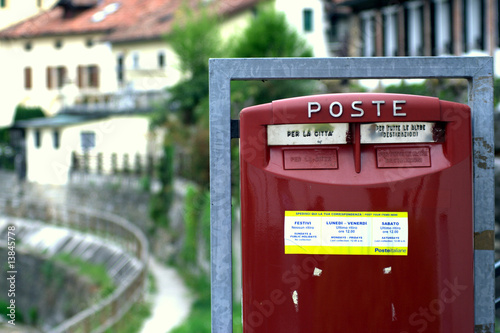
(307, 134)
(404, 132)
(346, 233)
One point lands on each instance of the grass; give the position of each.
(95, 272)
(132, 321)
(4, 312)
(199, 319)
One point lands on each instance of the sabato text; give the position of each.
(336, 108)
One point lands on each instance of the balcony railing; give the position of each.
(127, 101)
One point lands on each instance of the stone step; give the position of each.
(51, 240)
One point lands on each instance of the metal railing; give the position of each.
(121, 102)
(108, 311)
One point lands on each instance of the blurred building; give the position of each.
(14, 11)
(96, 67)
(309, 19)
(96, 61)
(412, 28)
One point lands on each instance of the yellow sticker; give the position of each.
(346, 233)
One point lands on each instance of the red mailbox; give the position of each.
(357, 215)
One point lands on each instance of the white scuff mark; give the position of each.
(317, 271)
(388, 270)
(295, 298)
(394, 318)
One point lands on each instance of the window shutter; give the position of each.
(50, 83)
(64, 75)
(60, 76)
(80, 76)
(94, 78)
(27, 78)
(308, 20)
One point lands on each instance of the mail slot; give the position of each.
(357, 215)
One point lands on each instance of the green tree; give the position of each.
(185, 115)
(446, 89)
(195, 39)
(269, 35)
(9, 145)
(21, 113)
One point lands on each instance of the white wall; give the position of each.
(294, 13)
(43, 53)
(473, 19)
(120, 135)
(390, 31)
(11, 83)
(146, 74)
(17, 10)
(443, 32)
(415, 31)
(368, 33)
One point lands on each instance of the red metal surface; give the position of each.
(401, 157)
(310, 159)
(429, 290)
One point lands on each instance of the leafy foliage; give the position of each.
(445, 89)
(21, 113)
(191, 222)
(96, 272)
(25, 112)
(194, 40)
(161, 201)
(269, 35)
(496, 91)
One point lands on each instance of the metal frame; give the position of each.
(477, 70)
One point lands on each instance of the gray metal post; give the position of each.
(477, 70)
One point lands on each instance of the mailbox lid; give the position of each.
(356, 107)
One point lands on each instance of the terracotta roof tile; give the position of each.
(118, 20)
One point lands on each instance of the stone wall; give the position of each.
(46, 293)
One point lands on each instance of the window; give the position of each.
(88, 76)
(89, 42)
(87, 140)
(120, 70)
(61, 76)
(135, 60)
(38, 138)
(56, 139)
(308, 20)
(430, 17)
(56, 77)
(93, 76)
(28, 46)
(27, 78)
(58, 44)
(161, 59)
(39, 3)
(3, 3)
